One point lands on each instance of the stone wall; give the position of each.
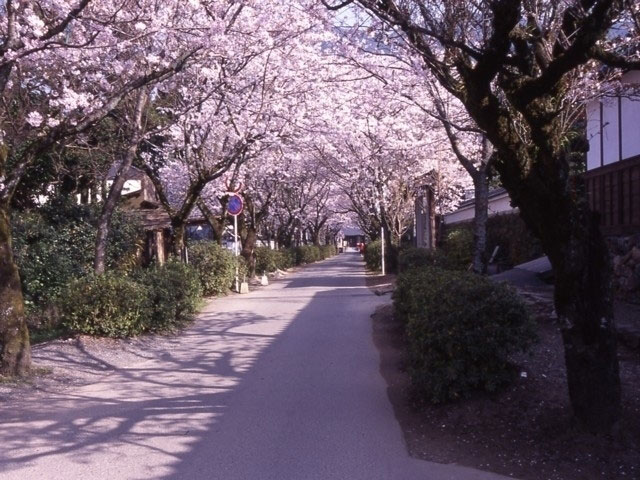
(625, 251)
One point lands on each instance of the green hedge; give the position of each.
(288, 257)
(175, 293)
(110, 305)
(517, 244)
(269, 260)
(328, 251)
(215, 266)
(115, 305)
(373, 256)
(307, 254)
(161, 297)
(461, 330)
(458, 247)
(54, 245)
(506, 230)
(413, 257)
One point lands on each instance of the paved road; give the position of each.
(279, 384)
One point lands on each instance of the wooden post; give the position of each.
(159, 241)
(382, 248)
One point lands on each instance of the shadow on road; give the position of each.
(155, 406)
(194, 400)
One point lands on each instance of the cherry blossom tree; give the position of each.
(384, 146)
(514, 65)
(108, 207)
(475, 154)
(62, 69)
(394, 65)
(250, 92)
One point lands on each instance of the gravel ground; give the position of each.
(79, 361)
(525, 431)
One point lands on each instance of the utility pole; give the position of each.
(235, 248)
(382, 246)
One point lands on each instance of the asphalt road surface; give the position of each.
(282, 383)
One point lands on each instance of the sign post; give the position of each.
(382, 248)
(235, 248)
(379, 208)
(235, 205)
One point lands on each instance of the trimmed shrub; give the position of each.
(54, 245)
(109, 305)
(373, 255)
(458, 246)
(288, 258)
(517, 244)
(175, 293)
(461, 330)
(215, 266)
(328, 251)
(413, 257)
(406, 294)
(243, 268)
(267, 260)
(307, 254)
(506, 230)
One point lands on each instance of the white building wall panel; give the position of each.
(498, 204)
(593, 135)
(630, 127)
(610, 131)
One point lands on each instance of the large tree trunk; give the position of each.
(481, 206)
(584, 304)
(315, 236)
(248, 247)
(286, 237)
(555, 209)
(216, 223)
(178, 237)
(579, 256)
(14, 335)
(104, 223)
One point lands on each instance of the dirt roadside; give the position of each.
(524, 431)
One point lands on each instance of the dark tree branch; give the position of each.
(72, 15)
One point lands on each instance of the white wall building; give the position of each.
(499, 202)
(613, 160)
(613, 126)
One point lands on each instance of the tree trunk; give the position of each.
(15, 349)
(248, 247)
(178, 234)
(481, 205)
(315, 236)
(104, 223)
(217, 224)
(571, 238)
(584, 304)
(109, 206)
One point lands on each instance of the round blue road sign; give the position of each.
(235, 205)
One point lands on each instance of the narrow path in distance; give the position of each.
(282, 384)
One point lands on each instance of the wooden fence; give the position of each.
(614, 192)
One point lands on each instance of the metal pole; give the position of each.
(235, 248)
(382, 247)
